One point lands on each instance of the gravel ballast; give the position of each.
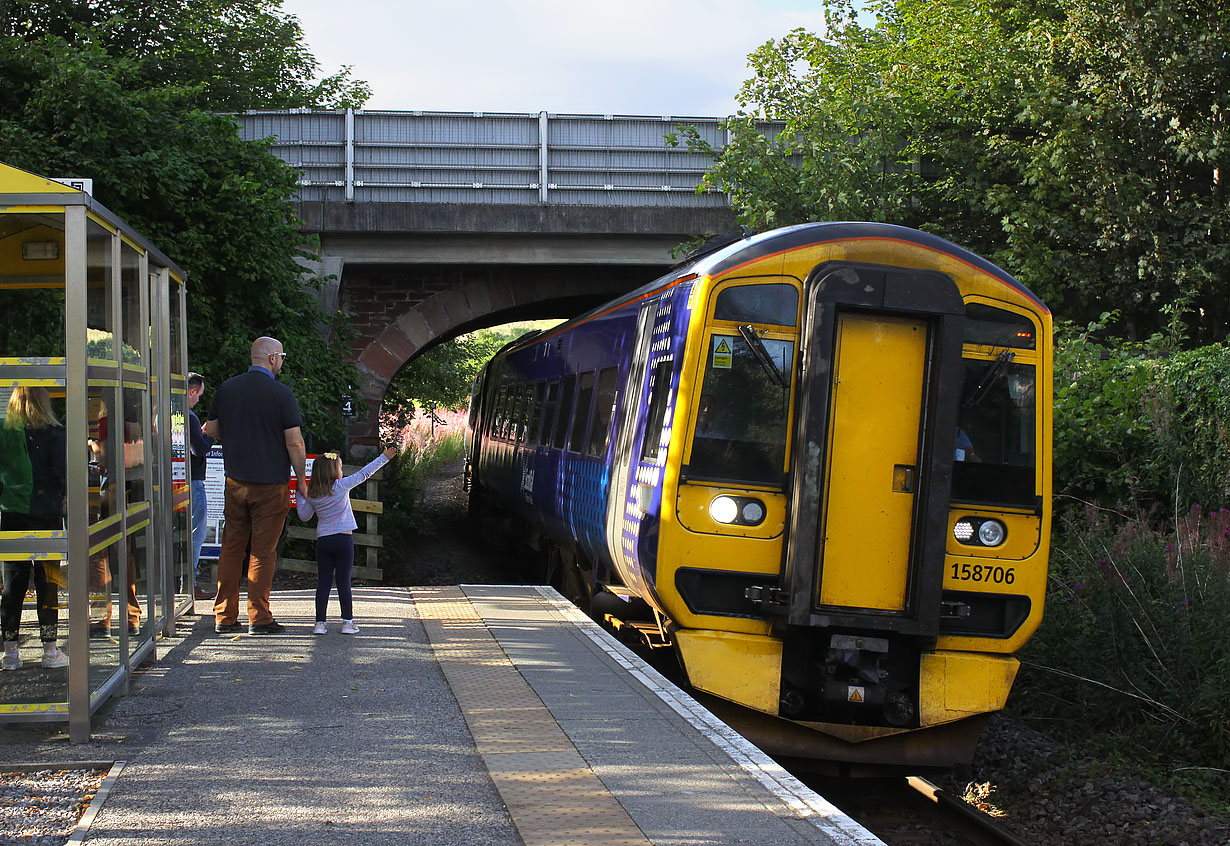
(43, 807)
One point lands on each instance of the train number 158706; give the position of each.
(966, 572)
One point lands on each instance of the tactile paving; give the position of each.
(553, 796)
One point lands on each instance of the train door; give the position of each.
(875, 428)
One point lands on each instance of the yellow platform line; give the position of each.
(553, 796)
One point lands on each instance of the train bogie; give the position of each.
(820, 457)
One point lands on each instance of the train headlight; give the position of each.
(737, 510)
(963, 530)
(724, 509)
(991, 533)
(753, 512)
(978, 531)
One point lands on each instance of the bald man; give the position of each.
(257, 420)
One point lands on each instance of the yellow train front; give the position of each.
(863, 566)
(827, 472)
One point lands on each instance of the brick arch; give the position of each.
(445, 314)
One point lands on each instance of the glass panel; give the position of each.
(181, 508)
(659, 393)
(531, 432)
(741, 426)
(565, 411)
(104, 637)
(32, 285)
(33, 484)
(101, 325)
(139, 586)
(548, 413)
(136, 427)
(599, 434)
(585, 399)
(995, 446)
(995, 327)
(136, 332)
(103, 445)
(776, 304)
(178, 330)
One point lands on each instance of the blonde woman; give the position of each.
(32, 484)
(328, 496)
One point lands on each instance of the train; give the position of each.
(814, 463)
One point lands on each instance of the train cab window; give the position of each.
(585, 399)
(604, 409)
(565, 411)
(743, 412)
(777, 304)
(531, 432)
(996, 444)
(548, 414)
(990, 326)
(659, 393)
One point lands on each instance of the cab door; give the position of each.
(875, 427)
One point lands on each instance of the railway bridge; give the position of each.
(433, 224)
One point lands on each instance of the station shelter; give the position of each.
(92, 331)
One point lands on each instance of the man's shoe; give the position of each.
(132, 630)
(228, 628)
(202, 593)
(98, 631)
(272, 627)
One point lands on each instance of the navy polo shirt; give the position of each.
(253, 411)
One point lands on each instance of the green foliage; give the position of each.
(1138, 427)
(402, 493)
(87, 96)
(441, 377)
(1133, 646)
(1080, 144)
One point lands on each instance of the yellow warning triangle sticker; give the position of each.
(856, 694)
(723, 348)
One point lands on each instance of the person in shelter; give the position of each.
(198, 449)
(33, 479)
(257, 420)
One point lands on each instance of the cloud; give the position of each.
(680, 57)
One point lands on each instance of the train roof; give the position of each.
(722, 258)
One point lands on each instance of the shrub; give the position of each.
(1133, 647)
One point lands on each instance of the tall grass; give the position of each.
(1134, 647)
(426, 445)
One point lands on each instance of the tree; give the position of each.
(1080, 144)
(220, 207)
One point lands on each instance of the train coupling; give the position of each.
(467, 477)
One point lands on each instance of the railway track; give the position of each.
(911, 811)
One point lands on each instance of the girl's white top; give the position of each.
(334, 511)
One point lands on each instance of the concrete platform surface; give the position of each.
(470, 715)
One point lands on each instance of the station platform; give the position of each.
(458, 715)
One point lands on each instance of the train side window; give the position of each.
(548, 414)
(585, 399)
(523, 418)
(659, 393)
(531, 431)
(604, 409)
(777, 304)
(497, 419)
(565, 411)
(514, 411)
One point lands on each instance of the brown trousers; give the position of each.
(257, 514)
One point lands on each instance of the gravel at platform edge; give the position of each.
(1049, 796)
(42, 808)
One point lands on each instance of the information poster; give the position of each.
(215, 491)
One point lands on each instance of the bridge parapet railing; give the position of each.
(493, 158)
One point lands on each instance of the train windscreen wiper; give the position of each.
(990, 376)
(762, 355)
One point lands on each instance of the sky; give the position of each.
(632, 57)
